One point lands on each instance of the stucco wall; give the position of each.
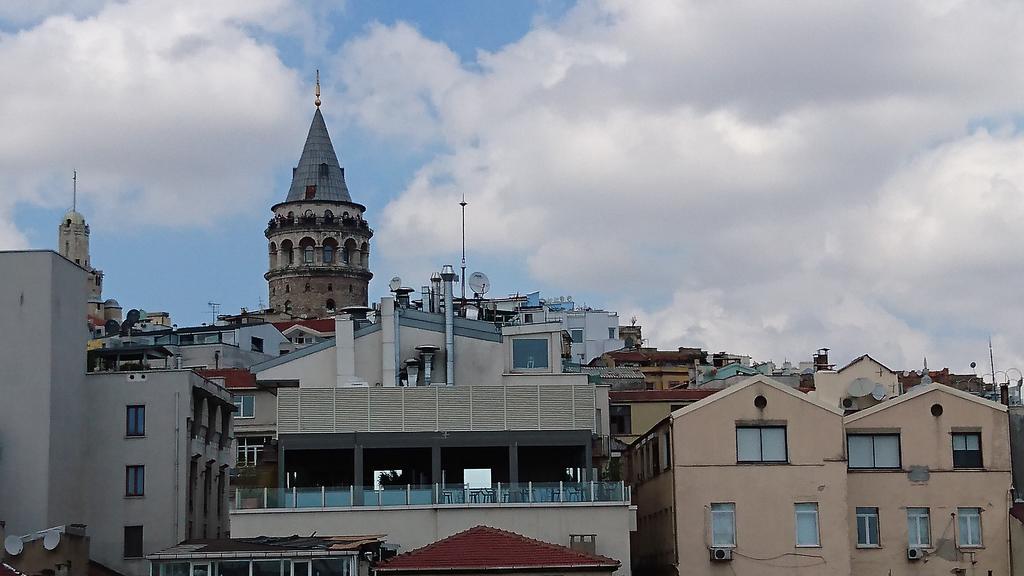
(706, 471)
(925, 442)
(165, 451)
(832, 386)
(413, 527)
(42, 352)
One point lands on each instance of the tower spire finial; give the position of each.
(317, 101)
(74, 191)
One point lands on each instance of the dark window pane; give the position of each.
(133, 541)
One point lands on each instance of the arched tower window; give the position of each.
(365, 251)
(328, 216)
(273, 255)
(287, 288)
(353, 252)
(330, 246)
(307, 287)
(288, 306)
(330, 287)
(287, 254)
(306, 245)
(323, 170)
(330, 304)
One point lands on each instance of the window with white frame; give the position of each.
(873, 450)
(919, 529)
(723, 525)
(577, 335)
(529, 353)
(248, 452)
(611, 333)
(867, 527)
(968, 527)
(807, 524)
(245, 406)
(761, 444)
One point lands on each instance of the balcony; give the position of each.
(436, 408)
(432, 495)
(335, 223)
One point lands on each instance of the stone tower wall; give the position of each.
(336, 271)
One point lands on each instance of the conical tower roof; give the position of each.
(319, 175)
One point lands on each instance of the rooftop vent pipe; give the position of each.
(448, 276)
(435, 293)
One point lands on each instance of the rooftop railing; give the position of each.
(523, 493)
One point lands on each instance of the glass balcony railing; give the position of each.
(540, 493)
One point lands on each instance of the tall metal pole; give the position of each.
(74, 191)
(992, 363)
(463, 204)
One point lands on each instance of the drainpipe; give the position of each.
(448, 276)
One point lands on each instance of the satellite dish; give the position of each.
(51, 540)
(479, 283)
(395, 283)
(879, 393)
(860, 387)
(133, 316)
(13, 545)
(111, 327)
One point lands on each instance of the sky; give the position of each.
(759, 178)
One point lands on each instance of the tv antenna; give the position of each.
(463, 277)
(214, 310)
(74, 191)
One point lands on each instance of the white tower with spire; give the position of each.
(73, 244)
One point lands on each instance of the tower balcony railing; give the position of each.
(318, 221)
(516, 494)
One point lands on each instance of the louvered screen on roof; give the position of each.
(288, 410)
(436, 408)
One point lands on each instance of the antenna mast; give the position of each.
(463, 204)
(992, 363)
(214, 309)
(74, 191)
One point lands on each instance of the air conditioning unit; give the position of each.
(915, 553)
(721, 554)
(849, 404)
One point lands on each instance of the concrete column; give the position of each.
(345, 347)
(357, 474)
(435, 464)
(513, 463)
(588, 461)
(388, 340)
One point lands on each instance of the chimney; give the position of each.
(425, 295)
(412, 369)
(448, 276)
(1004, 394)
(402, 296)
(435, 293)
(821, 360)
(427, 352)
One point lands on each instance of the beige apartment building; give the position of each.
(762, 479)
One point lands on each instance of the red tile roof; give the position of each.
(485, 548)
(324, 326)
(660, 395)
(233, 377)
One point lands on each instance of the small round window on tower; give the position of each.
(760, 402)
(936, 410)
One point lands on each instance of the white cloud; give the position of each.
(759, 178)
(172, 113)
